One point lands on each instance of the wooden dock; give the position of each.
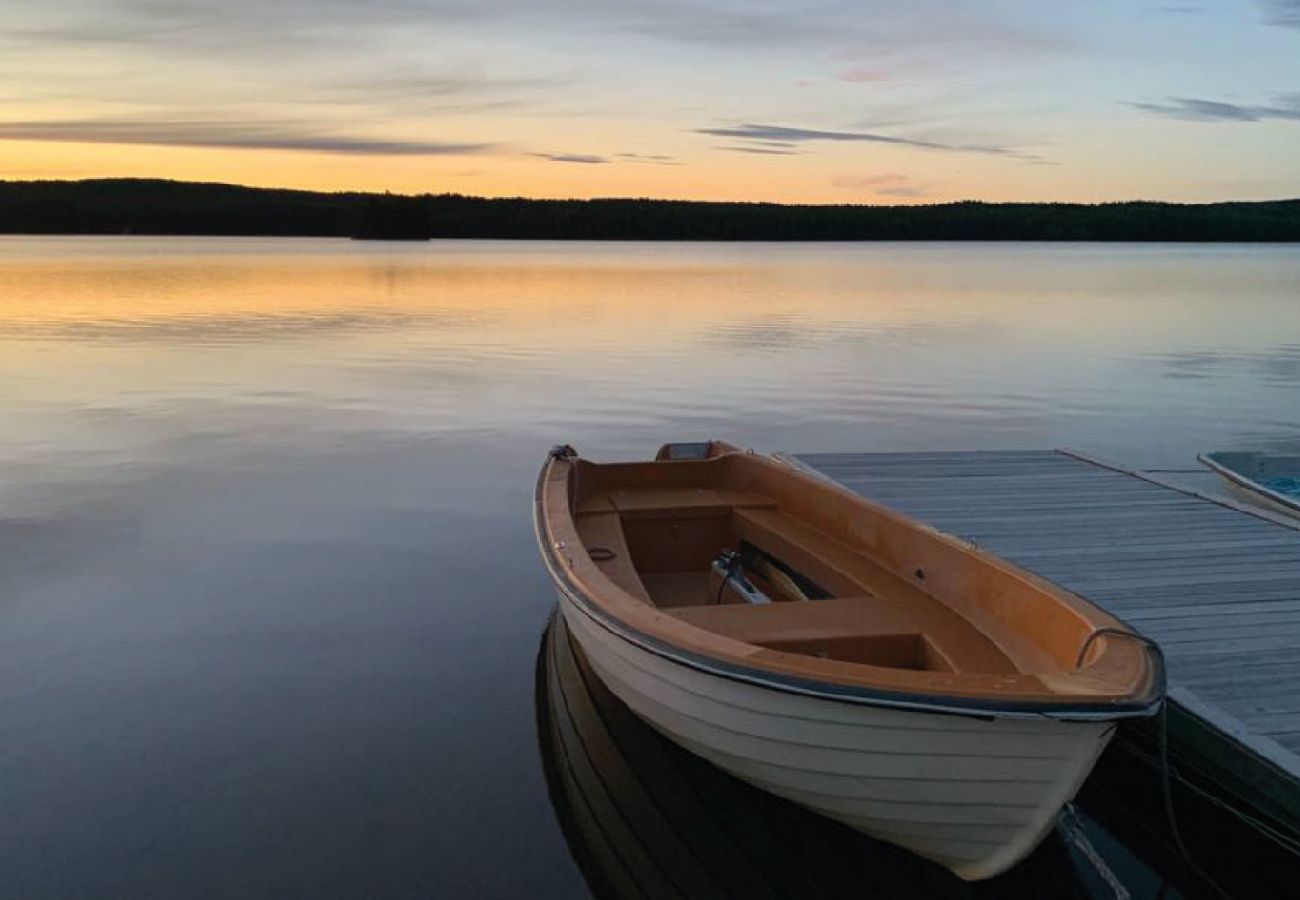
(1215, 582)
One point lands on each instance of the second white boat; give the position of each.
(1268, 480)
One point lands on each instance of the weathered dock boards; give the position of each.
(1217, 584)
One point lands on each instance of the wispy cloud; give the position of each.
(466, 83)
(584, 158)
(1282, 12)
(744, 25)
(762, 151)
(226, 134)
(788, 135)
(1195, 109)
(254, 26)
(194, 62)
(885, 184)
(654, 159)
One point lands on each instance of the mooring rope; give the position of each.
(1162, 743)
(1074, 827)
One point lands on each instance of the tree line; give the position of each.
(157, 207)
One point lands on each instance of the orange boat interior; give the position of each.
(753, 551)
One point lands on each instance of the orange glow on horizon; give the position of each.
(823, 176)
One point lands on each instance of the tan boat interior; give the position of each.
(837, 579)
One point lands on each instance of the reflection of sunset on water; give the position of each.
(1044, 337)
(776, 296)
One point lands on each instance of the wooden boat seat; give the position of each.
(605, 531)
(839, 569)
(807, 620)
(856, 629)
(845, 572)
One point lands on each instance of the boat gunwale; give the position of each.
(1140, 705)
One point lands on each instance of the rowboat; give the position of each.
(1268, 480)
(835, 652)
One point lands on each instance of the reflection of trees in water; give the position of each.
(644, 818)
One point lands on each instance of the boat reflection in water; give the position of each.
(644, 818)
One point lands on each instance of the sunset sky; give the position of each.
(873, 101)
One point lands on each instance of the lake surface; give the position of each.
(269, 602)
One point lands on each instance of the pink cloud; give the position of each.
(885, 180)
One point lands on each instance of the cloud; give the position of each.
(256, 27)
(785, 134)
(585, 158)
(885, 184)
(781, 133)
(343, 68)
(226, 134)
(1282, 12)
(764, 151)
(746, 25)
(1193, 109)
(656, 159)
(439, 84)
(653, 159)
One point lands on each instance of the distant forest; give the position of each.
(142, 206)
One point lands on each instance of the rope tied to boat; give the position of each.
(1072, 827)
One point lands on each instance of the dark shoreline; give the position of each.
(156, 207)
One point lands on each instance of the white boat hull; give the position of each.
(974, 794)
(1243, 471)
(1262, 498)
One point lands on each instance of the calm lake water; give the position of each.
(270, 607)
